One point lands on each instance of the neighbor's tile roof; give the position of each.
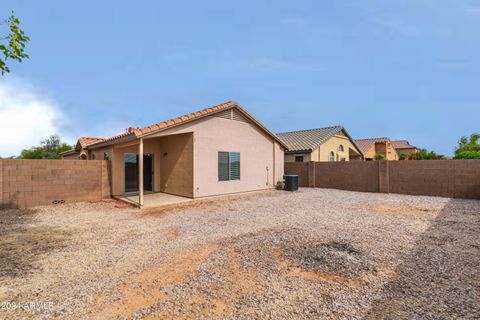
(82, 143)
(307, 140)
(402, 144)
(138, 132)
(367, 144)
(87, 141)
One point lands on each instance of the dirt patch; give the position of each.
(406, 210)
(173, 233)
(144, 289)
(20, 248)
(335, 261)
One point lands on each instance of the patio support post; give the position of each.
(140, 173)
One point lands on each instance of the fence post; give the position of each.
(384, 176)
(311, 174)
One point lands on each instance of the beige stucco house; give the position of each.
(322, 144)
(218, 150)
(404, 147)
(372, 146)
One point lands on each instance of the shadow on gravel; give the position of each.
(440, 278)
(21, 244)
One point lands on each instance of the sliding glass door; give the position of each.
(131, 172)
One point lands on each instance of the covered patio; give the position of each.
(154, 200)
(354, 155)
(154, 170)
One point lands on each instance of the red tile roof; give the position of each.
(402, 144)
(139, 132)
(367, 144)
(87, 141)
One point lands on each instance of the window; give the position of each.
(331, 156)
(340, 148)
(228, 166)
(298, 158)
(106, 156)
(94, 156)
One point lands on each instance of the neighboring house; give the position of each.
(81, 152)
(322, 144)
(371, 147)
(404, 147)
(218, 150)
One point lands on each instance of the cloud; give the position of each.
(26, 116)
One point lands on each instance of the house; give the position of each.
(80, 152)
(217, 150)
(322, 144)
(373, 146)
(404, 147)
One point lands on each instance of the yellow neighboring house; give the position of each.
(372, 146)
(322, 144)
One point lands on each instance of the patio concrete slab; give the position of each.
(153, 200)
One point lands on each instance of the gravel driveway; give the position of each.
(311, 254)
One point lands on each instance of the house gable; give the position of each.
(230, 110)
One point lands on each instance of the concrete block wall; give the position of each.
(351, 175)
(28, 183)
(450, 178)
(445, 178)
(301, 169)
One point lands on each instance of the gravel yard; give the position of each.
(311, 254)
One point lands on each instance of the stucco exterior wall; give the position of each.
(257, 159)
(279, 162)
(332, 144)
(385, 148)
(99, 153)
(291, 157)
(176, 164)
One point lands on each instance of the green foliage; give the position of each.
(403, 156)
(379, 156)
(426, 155)
(467, 147)
(467, 155)
(14, 44)
(50, 148)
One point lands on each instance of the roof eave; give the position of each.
(71, 151)
(298, 151)
(126, 138)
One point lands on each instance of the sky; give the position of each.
(406, 69)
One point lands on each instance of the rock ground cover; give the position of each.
(311, 254)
